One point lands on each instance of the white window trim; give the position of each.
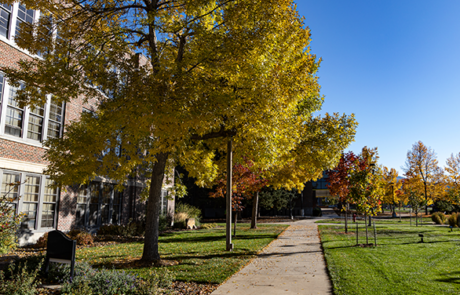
(12, 30)
(25, 120)
(23, 176)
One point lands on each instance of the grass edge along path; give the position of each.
(195, 255)
(400, 264)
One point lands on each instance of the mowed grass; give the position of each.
(200, 254)
(400, 264)
(395, 221)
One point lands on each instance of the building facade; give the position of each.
(22, 133)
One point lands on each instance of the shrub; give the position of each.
(164, 223)
(443, 206)
(317, 211)
(208, 225)
(453, 219)
(82, 237)
(110, 230)
(74, 232)
(133, 228)
(21, 281)
(184, 212)
(42, 241)
(85, 239)
(9, 222)
(101, 281)
(88, 280)
(438, 218)
(156, 282)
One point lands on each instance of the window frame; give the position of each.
(27, 113)
(41, 196)
(100, 221)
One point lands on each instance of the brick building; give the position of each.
(22, 133)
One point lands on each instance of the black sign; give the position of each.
(60, 249)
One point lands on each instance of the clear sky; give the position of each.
(396, 66)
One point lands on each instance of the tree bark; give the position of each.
(152, 221)
(346, 218)
(255, 209)
(234, 226)
(426, 202)
(365, 225)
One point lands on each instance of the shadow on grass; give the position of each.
(449, 279)
(214, 238)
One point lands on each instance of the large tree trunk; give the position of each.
(255, 209)
(152, 221)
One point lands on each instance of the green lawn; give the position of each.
(404, 221)
(201, 253)
(398, 265)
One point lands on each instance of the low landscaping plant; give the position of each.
(42, 241)
(439, 218)
(82, 237)
(20, 279)
(208, 225)
(184, 212)
(453, 219)
(88, 280)
(9, 221)
(132, 229)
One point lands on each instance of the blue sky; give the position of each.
(396, 66)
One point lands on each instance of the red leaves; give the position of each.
(338, 178)
(245, 183)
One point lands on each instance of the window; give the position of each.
(116, 207)
(8, 190)
(82, 201)
(5, 14)
(55, 120)
(164, 202)
(34, 129)
(14, 115)
(94, 205)
(49, 204)
(30, 202)
(24, 16)
(29, 123)
(105, 206)
(38, 201)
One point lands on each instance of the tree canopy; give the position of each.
(171, 80)
(421, 162)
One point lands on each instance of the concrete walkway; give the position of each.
(292, 264)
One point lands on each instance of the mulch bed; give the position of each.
(183, 288)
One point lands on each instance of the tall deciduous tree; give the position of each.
(366, 189)
(245, 184)
(453, 178)
(210, 70)
(413, 189)
(421, 161)
(391, 185)
(339, 182)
